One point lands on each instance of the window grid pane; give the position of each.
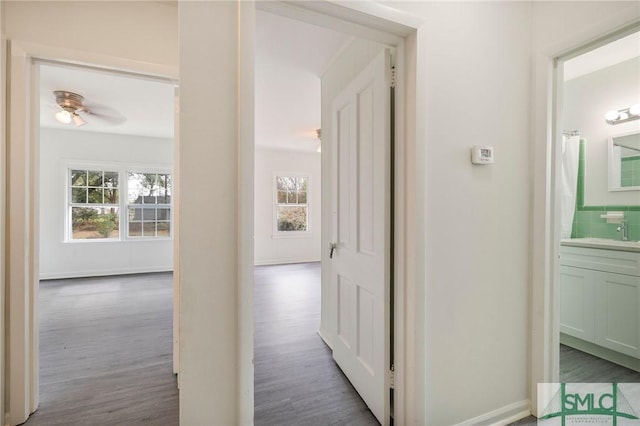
(93, 204)
(149, 197)
(291, 203)
(94, 222)
(292, 218)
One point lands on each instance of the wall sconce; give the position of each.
(623, 115)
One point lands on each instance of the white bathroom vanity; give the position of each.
(600, 298)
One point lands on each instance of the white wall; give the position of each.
(269, 247)
(586, 100)
(475, 65)
(477, 217)
(147, 32)
(210, 340)
(62, 259)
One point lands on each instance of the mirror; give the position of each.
(624, 162)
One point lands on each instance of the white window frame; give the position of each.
(148, 170)
(68, 202)
(290, 234)
(123, 170)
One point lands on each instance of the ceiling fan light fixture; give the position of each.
(70, 103)
(78, 120)
(63, 116)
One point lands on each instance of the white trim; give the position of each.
(545, 232)
(285, 261)
(102, 273)
(410, 379)
(345, 18)
(45, 53)
(401, 326)
(292, 234)
(611, 162)
(502, 416)
(284, 149)
(245, 207)
(23, 214)
(22, 218)
(3, 215)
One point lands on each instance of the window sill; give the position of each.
(116, 240)
(291, 234)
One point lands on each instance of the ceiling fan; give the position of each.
(71, 104)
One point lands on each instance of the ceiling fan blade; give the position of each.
(103, 113)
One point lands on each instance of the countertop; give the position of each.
(602, 243)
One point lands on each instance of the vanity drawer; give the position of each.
(619, 262)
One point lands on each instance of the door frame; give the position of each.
(546, 168)
(402, 31)
(22, 248)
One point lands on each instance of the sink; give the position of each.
(602, 243)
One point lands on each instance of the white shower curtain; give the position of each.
(569, 182)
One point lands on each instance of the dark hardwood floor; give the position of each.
(580, 367)
(106, 352)
(296, 379)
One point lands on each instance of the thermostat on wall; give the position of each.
(481, 154)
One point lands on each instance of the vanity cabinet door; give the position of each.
(577, 316)
(617, 307)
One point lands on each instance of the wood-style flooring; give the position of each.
(106, 342)
(579, 367)
(106, 352)
(296, 380)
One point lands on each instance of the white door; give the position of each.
(361, 218)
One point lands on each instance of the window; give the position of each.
(149, 205)
(292, 209)
(94, 204)
(101, 197)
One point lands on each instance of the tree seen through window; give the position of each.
(291, 203)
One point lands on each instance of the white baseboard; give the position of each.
(103, 273)
(283, 261)
(502, 416)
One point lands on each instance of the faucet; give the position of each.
(623, 229)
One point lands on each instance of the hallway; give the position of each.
(296, 379)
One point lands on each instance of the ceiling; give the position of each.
(117, 103)
(610, 54)
(290, 58)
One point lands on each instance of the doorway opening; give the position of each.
(103, 212)
(283, 67)
(598, 211)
